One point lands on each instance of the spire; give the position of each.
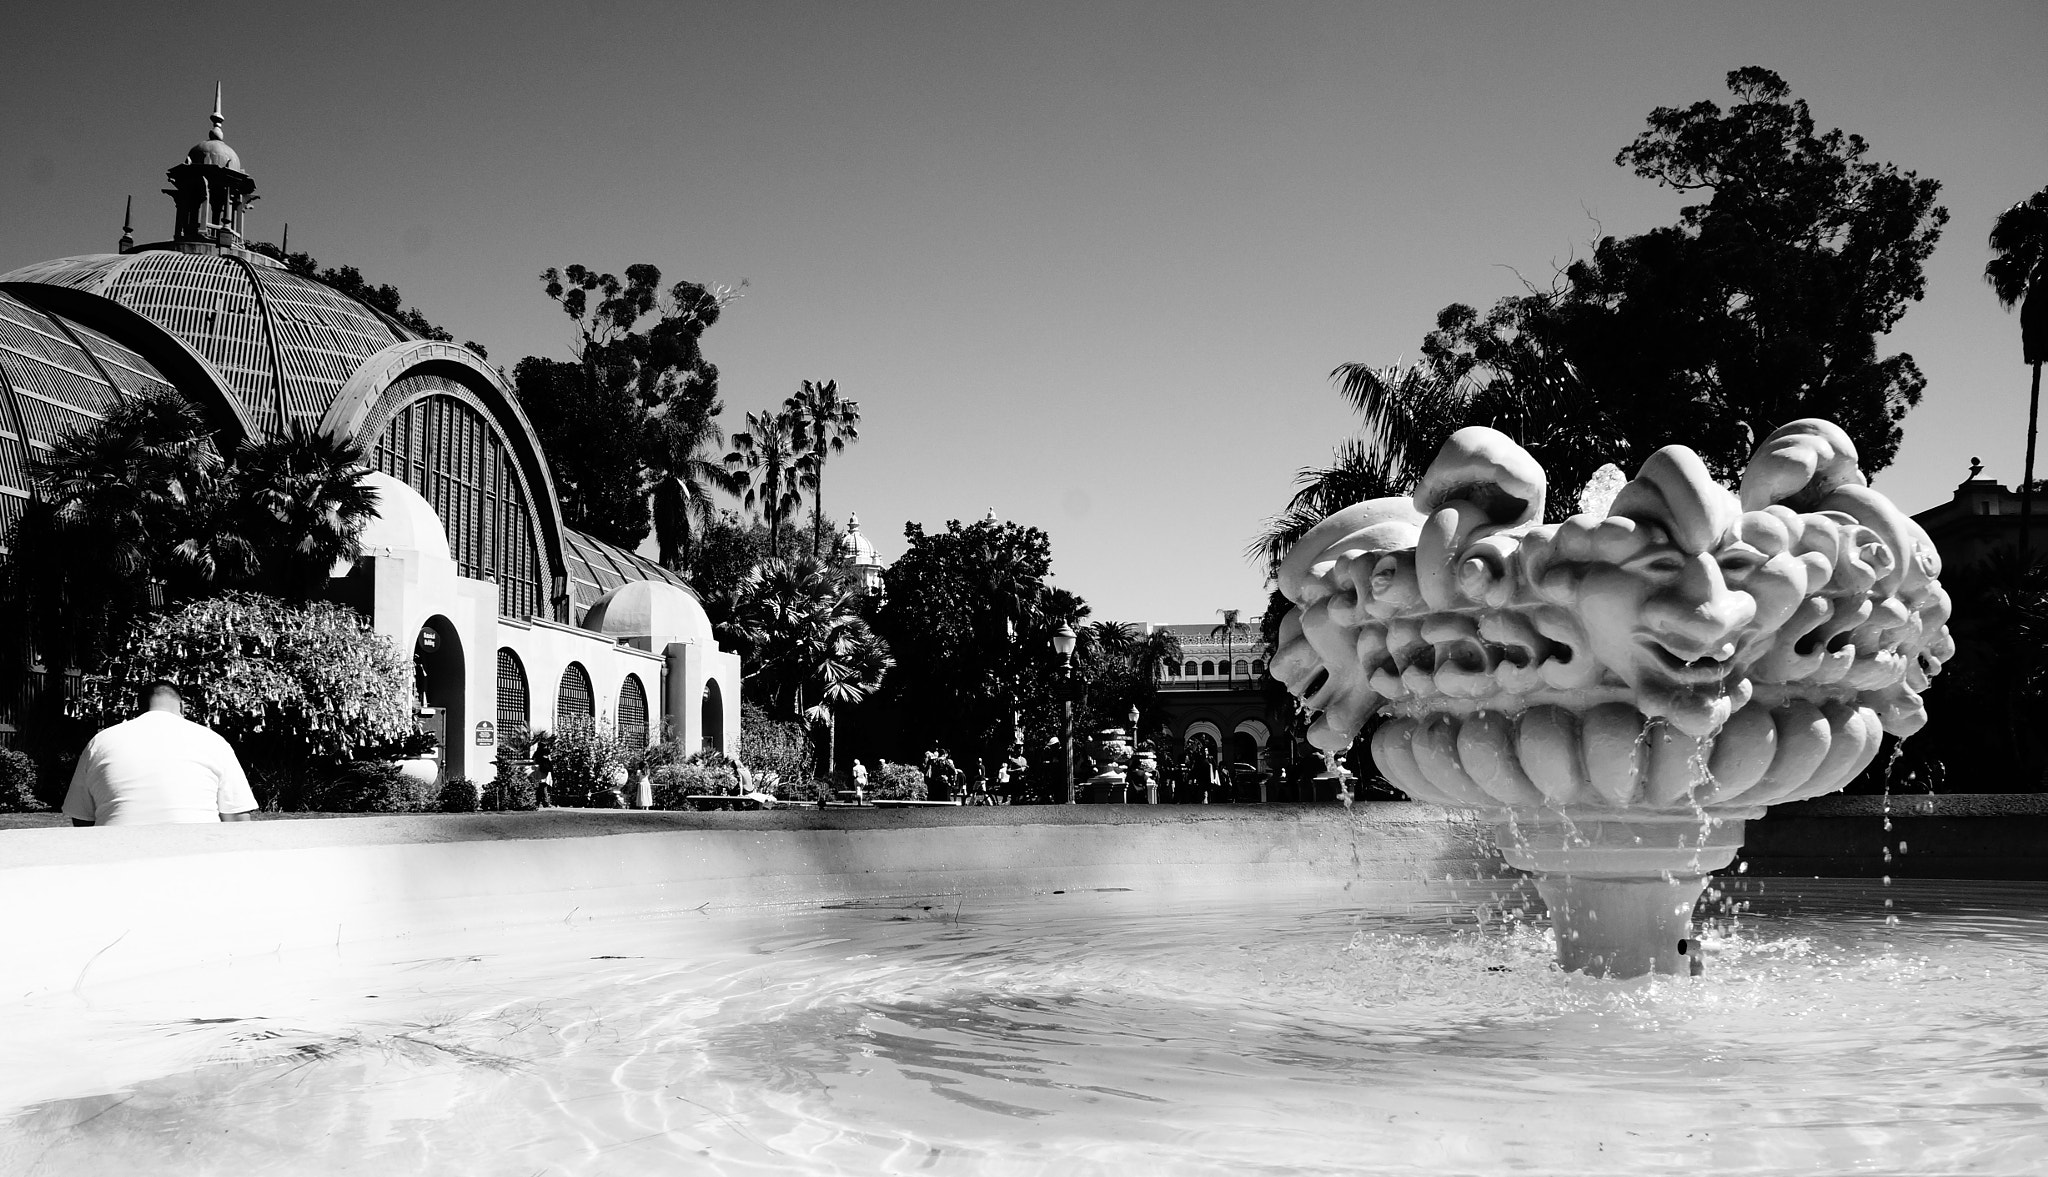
(128, 225)
(218, 121)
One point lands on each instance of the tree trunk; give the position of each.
(818, 512)
(2027, 486)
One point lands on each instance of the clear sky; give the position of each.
(1087, 264)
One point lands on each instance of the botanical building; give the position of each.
(513, 619)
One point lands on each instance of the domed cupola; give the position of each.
(210, 189)
(860, 556)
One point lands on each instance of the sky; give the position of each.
(1087, 265)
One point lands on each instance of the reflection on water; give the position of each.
(1085, 1033)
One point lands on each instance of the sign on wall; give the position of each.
(486, 733)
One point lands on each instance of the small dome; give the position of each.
(405, 523)
(650, 614)
(854, 547)
(215, 151)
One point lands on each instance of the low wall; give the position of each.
(128, 901)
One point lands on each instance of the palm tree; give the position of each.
(2019, 276)
(775, 468)
(301, 503)
(1229, 629)
(825, 424)
(801, 620)
(113, 502)
(1155, 650)
(686, 470)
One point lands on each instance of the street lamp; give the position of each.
(1063, 645)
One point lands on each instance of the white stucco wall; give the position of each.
(415, 582)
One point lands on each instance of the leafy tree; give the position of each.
(824, 423)
(592, 434)
(967, 615)
(290, 686)
(1763, 304)
(770, 453)
(635, 413)
(2019, 277)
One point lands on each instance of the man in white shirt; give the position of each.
(158, 768)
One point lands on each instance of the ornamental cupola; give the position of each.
(211, 190)
(860, 556)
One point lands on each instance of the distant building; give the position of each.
(1983, 515)
(512, 619)
(1215, 693)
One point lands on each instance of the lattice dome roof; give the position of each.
(284, 344)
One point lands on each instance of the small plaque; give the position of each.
(486, 733)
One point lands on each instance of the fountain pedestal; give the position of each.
(1621, 892)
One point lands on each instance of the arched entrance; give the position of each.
(1248, 743)
(713, 717)
(437, 669)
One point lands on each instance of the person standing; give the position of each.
(158, 769)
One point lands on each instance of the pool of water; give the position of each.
(1839, 1027)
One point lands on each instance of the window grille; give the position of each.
(512, 703)
(574, 701)
(633, 713)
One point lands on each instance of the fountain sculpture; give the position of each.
(1621, 691)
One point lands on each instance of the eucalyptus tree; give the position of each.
(635, 409)
(825, 423)
(2019, 277)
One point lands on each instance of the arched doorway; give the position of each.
(437, 668)
(713, 717)
(1248, 743)
(575, 702)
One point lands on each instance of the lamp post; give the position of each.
(1063, 645)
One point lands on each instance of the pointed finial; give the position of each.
(218, 120)
(852, 522)
(128, 225)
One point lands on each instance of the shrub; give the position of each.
(458, 796)
(583, 759)
(674, 782)
(18, 783)
(365, 786)
(514, 788)
(897, 782)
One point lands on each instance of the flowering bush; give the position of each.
(584, 759)
(290, 686)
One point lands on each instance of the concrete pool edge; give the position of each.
(99, 905)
